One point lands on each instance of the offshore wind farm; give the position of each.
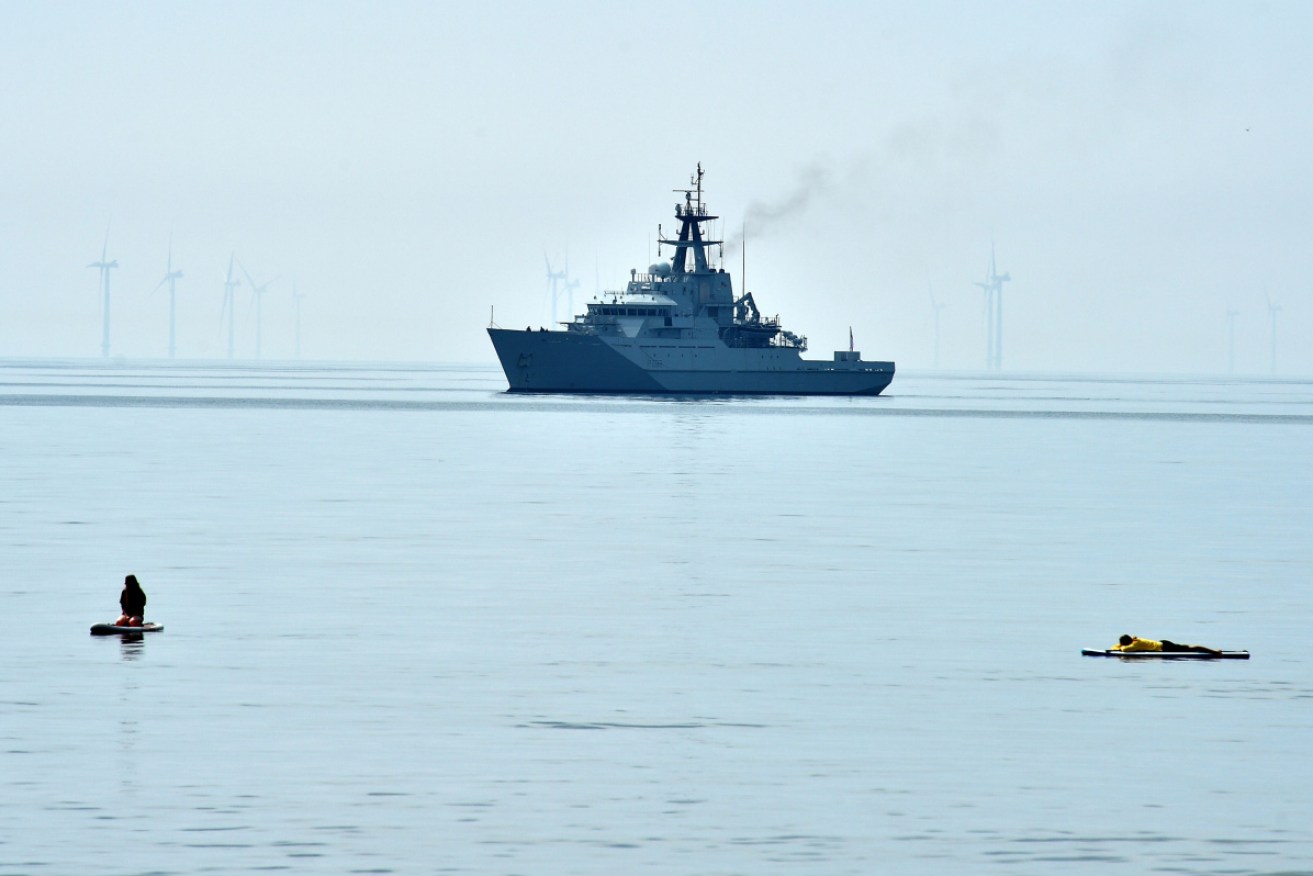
(243, 318)
(224, 290)
(949, 339)
(1130, 204)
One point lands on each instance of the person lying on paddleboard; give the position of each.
(1134, 643)
(133, 603)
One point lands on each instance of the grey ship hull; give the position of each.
(538, 361)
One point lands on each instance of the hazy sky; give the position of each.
(1141, 168)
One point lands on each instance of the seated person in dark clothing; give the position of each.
(133, 603)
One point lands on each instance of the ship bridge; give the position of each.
(686, 298)
(632, 304)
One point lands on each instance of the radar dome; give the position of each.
(660, 269)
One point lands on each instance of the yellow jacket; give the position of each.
(1138, 644)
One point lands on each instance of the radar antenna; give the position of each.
(691, 214)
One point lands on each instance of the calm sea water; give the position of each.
(417, 625)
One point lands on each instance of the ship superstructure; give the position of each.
(678, 328)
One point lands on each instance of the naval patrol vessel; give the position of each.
(679, 329)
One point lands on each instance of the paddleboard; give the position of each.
(1165, 655)
(114, 629)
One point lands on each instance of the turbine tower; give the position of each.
(105, 266)
(993, 288)
(568, 287)
(1231, 314)
(988, 288)
(936, 306)
(297, 295)
(1272, 311)
(171, 277)
(228, 306)
(553, 292)
(257, 295)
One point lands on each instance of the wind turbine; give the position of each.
(1272, 311)
(1231, 314)
(228, 305)
(171, 277)
(936, 306)
(569, 287)
(297, 295)
(257, 295)
(105, 267)
(988, 289)
(552, 290)
(993, 287)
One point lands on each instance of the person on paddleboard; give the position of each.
(1135, 643)
(133, 603)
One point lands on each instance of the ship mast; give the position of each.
(691, 214)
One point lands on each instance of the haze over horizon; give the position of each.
(1141, 171)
